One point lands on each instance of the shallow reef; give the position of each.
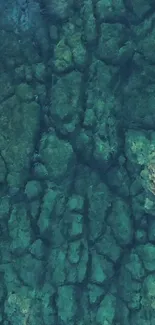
(77, 162)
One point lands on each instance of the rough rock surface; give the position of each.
(77, 162)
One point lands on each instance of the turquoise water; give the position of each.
(77, 162)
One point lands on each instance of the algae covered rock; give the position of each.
(45, 222)
(119, 181)
(110, 10)
(40, 72)
(65, 109)
(77, 162)
(19, 128)
(6, 87)
(106, 311)
(24, 266)
(68, 264)
(101, 270)
(99, 203)
(106, 140)
(112, 36)
(121, 223)
(94, 293)
(24, 92)
(37, 249)
(40, 171)
(147, 254)
(137, 147)
(19, 230)
(63, 61)
(4, 207)
(58, 158)
(142, 115)
(66, 304)
(90, 30)
(18, 308)
(58, 9)
(33, 189)
(77, 46)
(107, 246)
(148, 289)
(135, 266)
(76, 226)
(76, 203)
(3, 170)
